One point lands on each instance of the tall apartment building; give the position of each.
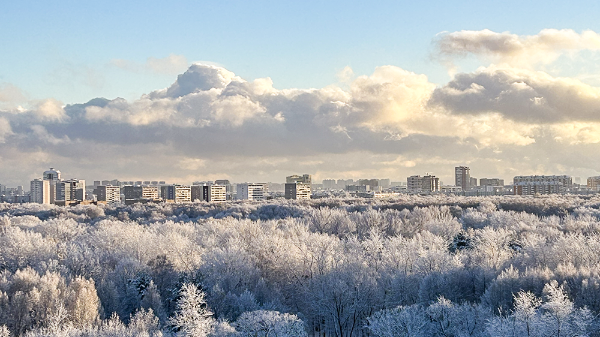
(491, 182)
(132, 192)
(215, 193)
(462, 177)
(297, 191)
(428, 183)
(530, 185)
(176, 193)
(108, 193)
(53, 177)
(70, 190)
(40, 191)
(305, 179)
(251, 191)
(593, 183)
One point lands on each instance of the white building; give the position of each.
(251, 191)
(53, 177)
(530, 185)
(40, 191)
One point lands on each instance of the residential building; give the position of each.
(427, 184)
(462, 177)
(215, 193)
(491, 182)
(530, 185)
(40, 191)
(329, 184)
(305, 179)
(108, 193)
(132, 192)
(297, 191)
(473, 182)
(251, 191)
(176, 193)
(593, 183)
(372, 183)
(53, 177)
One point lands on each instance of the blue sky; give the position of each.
(64, 49)
(399, 88)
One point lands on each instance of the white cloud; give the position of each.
(518, 50)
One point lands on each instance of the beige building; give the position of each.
(425, 184)
(215, 193)
(297, 191)
(40, 191)
(593, 183)
(176, 193)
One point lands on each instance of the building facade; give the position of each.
(251, 191)
(462, 177)
(297, 191)
(530, 185)
(491, 182)
(305, 179)
(108, 193)
(40, 191)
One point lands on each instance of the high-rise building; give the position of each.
(251, 191)
(53, 177)
(108, 193)
(297, 191)
(40, 191)
(132, 192)
(70, 190)
(427, 184)
(305, 179)
(462, 177)
(530, 185)
(177, 193)
(593, 183)
(215, 193)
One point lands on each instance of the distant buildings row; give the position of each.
(52, 189)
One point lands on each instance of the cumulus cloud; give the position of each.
(519, 95)
(521, 50)
(391, 123)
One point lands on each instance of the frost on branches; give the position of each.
(343, 267)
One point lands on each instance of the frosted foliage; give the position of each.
(192, 318)
(344, 267)
(263, 323)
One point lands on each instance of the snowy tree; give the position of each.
(192, 318)
(264, 323)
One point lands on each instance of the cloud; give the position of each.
(521, 50)
(391, 123)
(519, 95)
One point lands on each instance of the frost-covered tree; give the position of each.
(192, 317)
(265, 323)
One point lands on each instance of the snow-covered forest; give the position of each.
(412, 266)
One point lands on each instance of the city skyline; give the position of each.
(387, 90)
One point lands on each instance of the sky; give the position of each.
(255, 91)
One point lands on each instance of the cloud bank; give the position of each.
(211, 124)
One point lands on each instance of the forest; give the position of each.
(343, 267)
